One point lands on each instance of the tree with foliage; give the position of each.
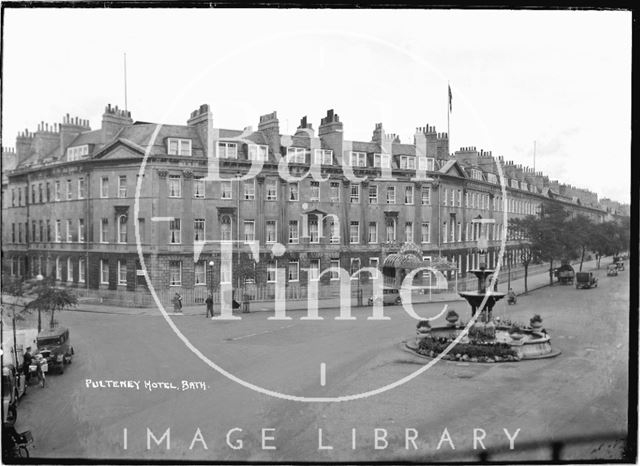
(50, 298)
(548, 235)
(581, 230)
(520, 230)
(13, 287)
(600, 241)
(623, 235)
(609, 238)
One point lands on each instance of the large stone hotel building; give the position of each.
(68, 201)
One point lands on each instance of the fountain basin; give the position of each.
(527, 344)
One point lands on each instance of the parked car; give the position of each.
(566, 276)
(55, 347)
(620, 265)
(586, 280)
(13, 387)
(389, 296)
(612, 270)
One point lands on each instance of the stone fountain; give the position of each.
(513, 342)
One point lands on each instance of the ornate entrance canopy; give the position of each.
(408, 258)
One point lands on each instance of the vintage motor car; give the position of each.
(13, 387)
(620, 265)
(612, 270)
(389, 296)
(566, 274)
(586, 280)
(55, 347)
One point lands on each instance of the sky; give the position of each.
(559, 78)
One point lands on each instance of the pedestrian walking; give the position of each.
(177, 303)
(209, 302)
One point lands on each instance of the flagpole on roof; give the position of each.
(449, 113)
(125, 81)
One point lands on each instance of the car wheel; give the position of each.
(12, 415)
(23, 452)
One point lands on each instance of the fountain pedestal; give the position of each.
(475, 298)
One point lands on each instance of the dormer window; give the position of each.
(258, 153)
(358, 159)
(525, 186)
(476, 174)
(323, 157)
(381, 160)
(177, 146)
(407, 162)
(296, 154)
(514, 184)
(74, 153)
(227, 150)
(426, 163)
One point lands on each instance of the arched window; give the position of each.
(225, 228)
(122, 229)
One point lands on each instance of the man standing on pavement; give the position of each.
(209, 302)
(26, 361)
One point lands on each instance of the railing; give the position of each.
(293, 291)
(555, 449)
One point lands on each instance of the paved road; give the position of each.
(582, 391)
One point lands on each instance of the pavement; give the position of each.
(534, 281)
(581, 393)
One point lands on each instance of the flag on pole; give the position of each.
(450, 98)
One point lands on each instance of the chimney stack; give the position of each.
(24, 145)
(202, 120)
(70, 128)
(113, 120)
(305, 129)
(331, 134)
(270, 126)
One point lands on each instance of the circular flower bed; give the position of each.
(473, 352)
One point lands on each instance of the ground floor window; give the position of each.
(335, 265)
(271, 272)
(175, 273)
(293, 271)
(69, 270)
(314, 270)
(225, 272)
(104, 272)
(355, 266)
(374, 262)
(122, 273)
(81, 270)
(200, 277)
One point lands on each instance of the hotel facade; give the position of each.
(69, 202)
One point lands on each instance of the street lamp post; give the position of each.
(509, 269)
(211, 277)
(39, 278)
(210, 286)
(359, 292)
